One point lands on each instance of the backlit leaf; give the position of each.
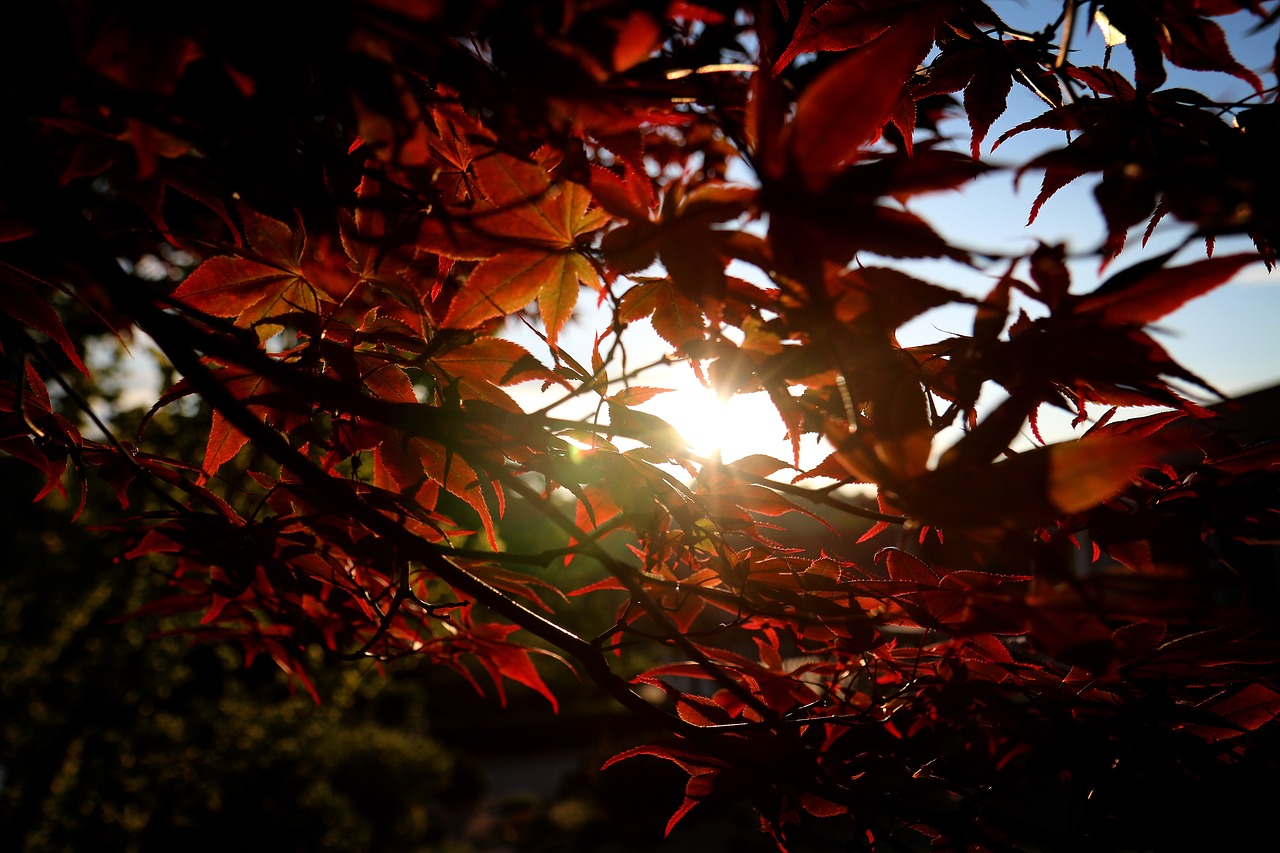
(508, 282)
(635, 395)
(225, 441)
(495, 360)
(1122, 300)
(844, 109)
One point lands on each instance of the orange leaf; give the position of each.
(638, 37)
(503, 285)
(494, 360)
(1034, 486)
(224, 286)
(819, 807)
(510, 182)
(1082, 474)
(560, 291)
(225, 441)
(246, 290)
(635, 395)
(507, 282)
(675, 317)
(456, 474)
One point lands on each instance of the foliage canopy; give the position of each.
(327, 235)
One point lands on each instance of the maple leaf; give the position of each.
(1181, 34)
(507, 282)
(225, 441)
(826, 26)
(986, 96)
(686, 239)
(262, 285)
(28, 307)
(1147, 291)
(526, 241)
(493, 360)
(676, 317)
(262, 397)
(883, 299)
(701, 769)
(835, 121)
(503, 659)
(1033, 486)
(635, 395)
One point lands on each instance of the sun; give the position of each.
(730, 429)
(743, 425)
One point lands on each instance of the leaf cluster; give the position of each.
(376, 214)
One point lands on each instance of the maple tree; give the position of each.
(353, 219)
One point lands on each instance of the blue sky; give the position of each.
(1227, 337)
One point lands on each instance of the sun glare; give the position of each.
(743, 425)
(740, 426)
